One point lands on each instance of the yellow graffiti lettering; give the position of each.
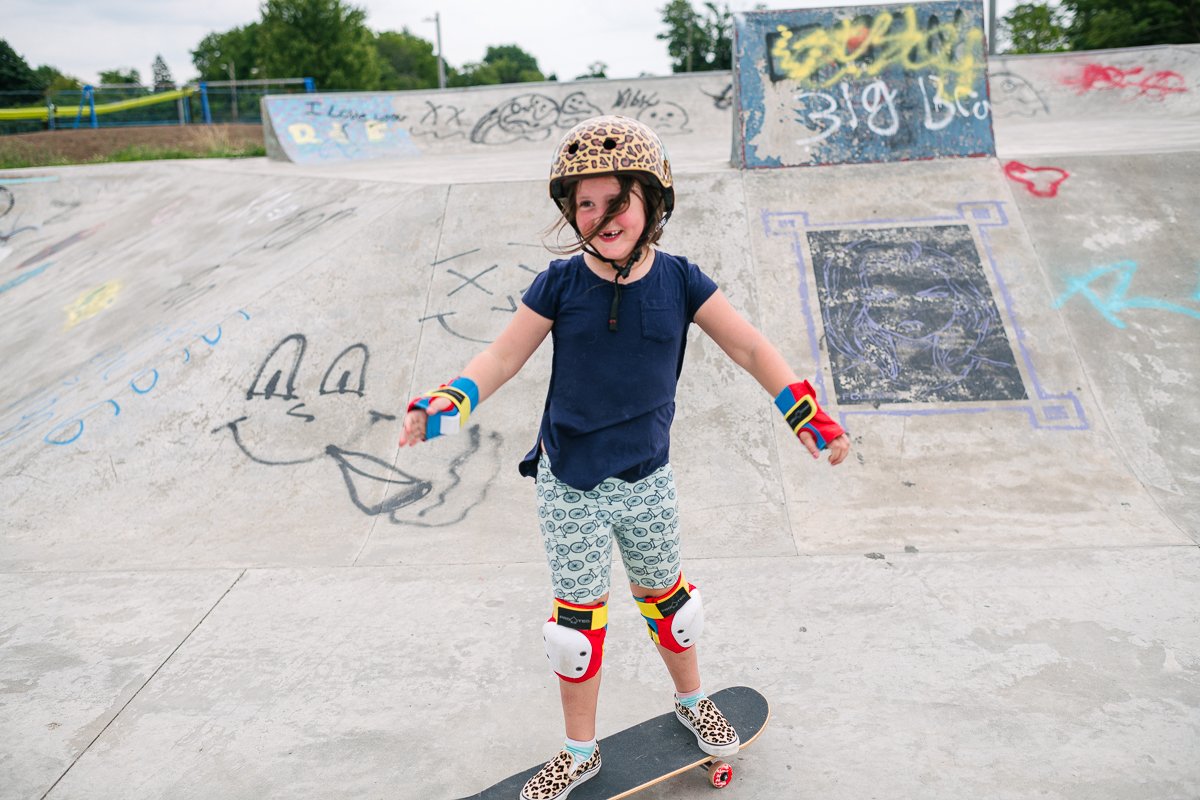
(853, 50)
(338, 134)
(303, 133)
(376, 131)
(91, 303)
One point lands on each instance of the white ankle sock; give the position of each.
(580, 751)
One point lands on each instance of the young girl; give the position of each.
(618, 312)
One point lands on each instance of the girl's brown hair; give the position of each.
(652, 201)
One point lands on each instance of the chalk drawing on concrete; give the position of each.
(1038, 181)
(909, 317)
(912, 324)
(1107, 289)
(481, 293)
(1014, 96)
(91, 302)
(7, 203)
(117, 375)
(288, 421)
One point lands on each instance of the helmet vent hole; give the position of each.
(610, 143)
(573, 148)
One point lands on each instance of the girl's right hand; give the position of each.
(413, 431)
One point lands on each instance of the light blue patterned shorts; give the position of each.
(578, 529)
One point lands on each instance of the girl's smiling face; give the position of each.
(616, 238)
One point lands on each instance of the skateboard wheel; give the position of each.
(720, 774)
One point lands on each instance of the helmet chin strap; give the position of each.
(622, 271)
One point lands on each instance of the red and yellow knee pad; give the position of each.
(675, 619)
(574, 637)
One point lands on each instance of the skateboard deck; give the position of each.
(652, 751)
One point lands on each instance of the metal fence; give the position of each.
(120, 105)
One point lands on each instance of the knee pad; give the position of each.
(676, 619)
(574, 637)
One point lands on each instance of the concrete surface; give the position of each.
(219, 576)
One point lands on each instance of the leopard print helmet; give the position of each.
(611, 145)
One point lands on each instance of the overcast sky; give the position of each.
(83, 37)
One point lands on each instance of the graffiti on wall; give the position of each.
(531, 117)
(391, 125)
(861, 84)
(1107, 289)
(290, 419)
(348, 127)
(1136, 82)
(1013, 96)
(944, 45)
(909, 317)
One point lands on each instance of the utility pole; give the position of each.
(691, 26)
(991, 27)
(436, 19)
(233, 88)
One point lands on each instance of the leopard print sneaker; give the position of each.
(714, 734)
(556, 780)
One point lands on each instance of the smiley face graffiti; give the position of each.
(285, 425)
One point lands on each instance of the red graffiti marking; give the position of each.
(1040, 181)
(1156, 85)
(58, 247)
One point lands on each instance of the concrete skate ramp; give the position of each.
(220, 576)
(1102, 101)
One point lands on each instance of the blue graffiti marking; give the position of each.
(76, 422)
(133, 382)
(1117, 300)
(17, 281)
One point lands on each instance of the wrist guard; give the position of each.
(798, 404)
(463, 395)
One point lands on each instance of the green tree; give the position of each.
(120, 75)
(474, 73)
(408, 61)
(696, 41)
(162, 75)
(595, 70)
(1099, 24)
(216, 51)
(512, 64)
(51, 80)
(326, 40)
(17, 79)
(1035, 28)
(504, 64)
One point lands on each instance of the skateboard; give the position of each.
(654, 751)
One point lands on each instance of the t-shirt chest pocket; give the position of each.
(660, 323)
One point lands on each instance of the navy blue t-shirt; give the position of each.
(611, 398)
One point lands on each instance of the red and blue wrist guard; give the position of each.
(463, 395)
(798, 404)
